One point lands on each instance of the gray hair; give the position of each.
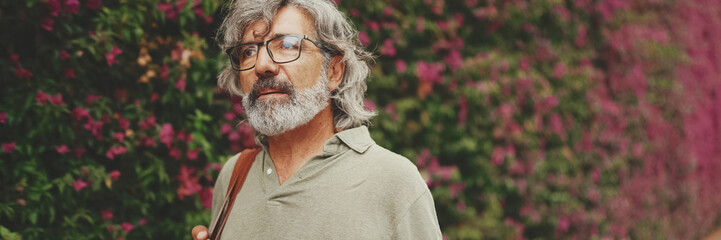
(332, 28)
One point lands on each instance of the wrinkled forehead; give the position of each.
(288, 20)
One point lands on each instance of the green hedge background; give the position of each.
(542, 119)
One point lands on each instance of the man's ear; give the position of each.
(336, 70)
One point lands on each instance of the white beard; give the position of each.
(271, 117)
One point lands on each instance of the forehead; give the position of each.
(288, 20)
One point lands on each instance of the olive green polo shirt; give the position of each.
(355, 189)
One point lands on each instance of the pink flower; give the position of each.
(166, 134)
(369, 105)
(79, 151)
(115, 150)
(175, 153)
(63, 55)
(72, 6)
(188, 185)
(391, 110)
(79, 185)
(57, 100)
(47, 23)
(80, 113)
(154, 97)
(147, 123)
(430, 73)
(560, 70)
(497, 155)
(126, 226)
(9, 147)
(193, 153)
(110, 57)
(106, 214)
(94, 4)
(234, 136)
(363, 38)
(400, 66)
(164, 72)
(581, 36)
(206, 197)
(3, 117)
(41, 97)
(94, 127)
(70, 73)
(225, 128)
(180, 84)
(62, 149)
(15, 58)
(53, 6)
(119, 136)
(229, 116)
(111, 228)
(115, 174)
(388, 49)
(142, 222)
(123, 123)
(91, 98)
(454, 60)
(23, 73)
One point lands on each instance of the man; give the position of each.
(301, 72)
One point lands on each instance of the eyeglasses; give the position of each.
(281, 49)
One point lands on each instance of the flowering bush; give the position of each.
(528, 119)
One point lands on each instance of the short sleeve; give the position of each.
(419, 221)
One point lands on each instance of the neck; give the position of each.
(291, 149)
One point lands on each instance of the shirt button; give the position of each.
(269, 171)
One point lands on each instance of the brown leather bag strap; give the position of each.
(240, 172)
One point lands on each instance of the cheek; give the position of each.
(246, 83)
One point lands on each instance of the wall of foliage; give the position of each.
(542, 119)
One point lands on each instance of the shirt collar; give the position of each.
(356, 138)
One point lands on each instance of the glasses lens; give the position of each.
(243, 57)
(285, 49)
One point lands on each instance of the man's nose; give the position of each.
(264, 65)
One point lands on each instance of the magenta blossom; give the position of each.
(79, 151)
(80, 113)
(115, 150)
(180, 84)
(94, 4)
(363, 38)
(54, 7)
(119, 136)
(206, 197)
(430, 73)
(62, 149)
(127, 227)
(57, 100)
(400, 66)
(47, 23)
(23, 73)
(41, 97)
(115, 174)
(70, 73)
(79, 185)
(193, 153)
(3, 117)
(91, 98)
(225, 128)
(369, 105)
(166, 134)
(175, 153)
(106, 214)
(110, 56)
(388, 49)
(9, 147)
(72, 6)
(142, 222)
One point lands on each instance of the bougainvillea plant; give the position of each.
(545, 119)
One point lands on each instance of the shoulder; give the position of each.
(227, 170)
(393, 171)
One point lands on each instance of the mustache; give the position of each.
(270, 82)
